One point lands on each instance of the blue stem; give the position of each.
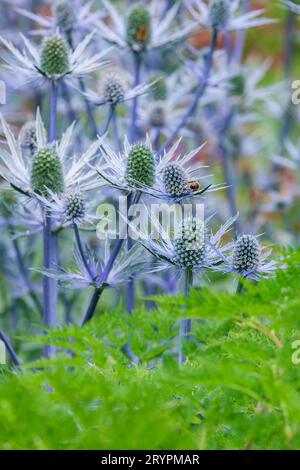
(185, 325)
(81, 252)
(198, 95)
(10, 349)
(53, 110)
(50, 240)
(137, 77)
(104, 276)
(130, 298)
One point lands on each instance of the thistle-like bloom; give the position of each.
(54, 60)
(51, 167)
(116, 88)
(127, 263)
(172, 176)
(69, 208)
(143, 28)
(192, 246)
(179, 177)
(133, 169)
(67, 15)
(249, 259)
(224, 15)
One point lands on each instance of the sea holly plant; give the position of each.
(177, 117)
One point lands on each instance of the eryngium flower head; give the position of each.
(159, 88)
(47, 172)
(189, 244)
(55, 56)
(113, 89)
(64, 16)
(140, 169)
(219, 14)
(246, 254)
(175, 180)
(138, 28)
(27, 136)
(157, 114)
(74, 206)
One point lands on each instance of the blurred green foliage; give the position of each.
(239, 387)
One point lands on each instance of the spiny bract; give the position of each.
(175, 180)
(140, 169)
(159, 89)
(64, 15)
(47, 172)
(55, 56)
(246, 254)
(113, 90)
(189, 244)
(138, 28)
(219, 13)
(27, 136)
(74, 206)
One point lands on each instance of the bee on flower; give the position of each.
(143, 28)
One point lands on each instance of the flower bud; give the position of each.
(47, 172)
(175, 180)
(55, 56)
(219, 13)
(74, 206)
(113, 89)
(246, 254)
(140, 166)
(138, 28)
(64, 16)
(189, 244)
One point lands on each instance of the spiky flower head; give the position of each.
(113, 89)
(175, 179)
(64, 15)
(157, 114)
(140, 169)
(189, 244)
(138, 28)
(219, 14)
(27, 136)
(55, 56)
(159, 90)
(246, 254)
(74, 206)
(47, 172)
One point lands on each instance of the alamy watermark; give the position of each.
(296, 353)
(155, 221)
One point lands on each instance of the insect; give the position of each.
(194, 186)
